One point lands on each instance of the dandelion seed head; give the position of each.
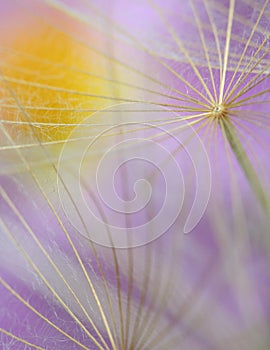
(219, 111)
(200, 64)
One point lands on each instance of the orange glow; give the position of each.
(40, 66)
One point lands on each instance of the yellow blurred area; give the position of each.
(51, 82)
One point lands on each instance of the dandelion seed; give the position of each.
(111, 114)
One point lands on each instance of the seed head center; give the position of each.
(219, 111)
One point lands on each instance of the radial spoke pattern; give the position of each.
(193, 68)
